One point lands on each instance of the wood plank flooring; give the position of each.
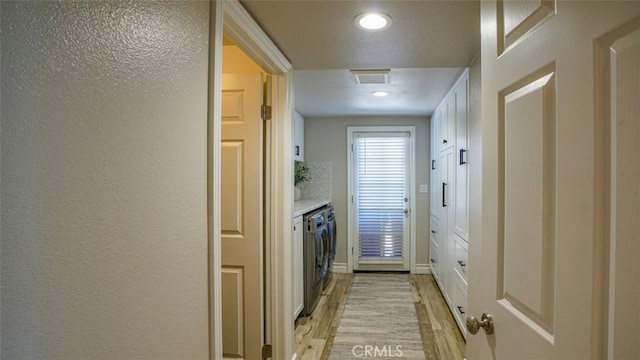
(441, 338)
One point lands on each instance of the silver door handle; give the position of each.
(473, 325)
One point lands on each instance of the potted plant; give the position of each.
(300, 176)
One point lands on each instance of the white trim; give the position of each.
(231, 18)
(613, 172)
(340, 268)
(242, 29)
(214, 133)
(423, 269)
(412, 191)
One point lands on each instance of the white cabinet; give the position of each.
(298, 137)
(435, 165)
(447, 123)
(461, 215)
(434, 248)
(450, 199)
(298, 276)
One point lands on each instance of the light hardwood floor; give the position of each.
(440, 335)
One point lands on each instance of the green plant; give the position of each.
(301, 173)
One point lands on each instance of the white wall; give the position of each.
(103, 155)
(325, 139)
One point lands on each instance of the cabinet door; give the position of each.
(434, 261)
(447, 123)
(298, 137)
(435, 167)
(446, 206)
(298, 277)
(461, 212)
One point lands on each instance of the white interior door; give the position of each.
(242, 214)
(532, 267)
(381, 188)
(622, 55)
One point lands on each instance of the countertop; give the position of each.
(303, 206)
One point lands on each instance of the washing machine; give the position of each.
(316, 258)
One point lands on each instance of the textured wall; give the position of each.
(325, 139)
(103, 155)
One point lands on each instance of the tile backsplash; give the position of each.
(319, 184)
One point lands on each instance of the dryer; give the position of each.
(332, 232)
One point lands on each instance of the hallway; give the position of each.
(441, 339)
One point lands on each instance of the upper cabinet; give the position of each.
(447, 113)
(298, 137)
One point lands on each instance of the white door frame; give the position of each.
(412, 189)
(230, 17)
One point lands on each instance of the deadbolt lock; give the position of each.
(473, 325)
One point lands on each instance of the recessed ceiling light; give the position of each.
(380, 93)
(373, 21)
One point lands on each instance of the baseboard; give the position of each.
(423, 269)
(340, 268)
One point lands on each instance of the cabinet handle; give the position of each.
(444, 141)
(462, 263)
(433, 261)
(433, 231)
(297, 150)
(444, 193)
(433, 164)
(462, 160)
(460, 310)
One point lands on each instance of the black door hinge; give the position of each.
(266, 351)
(265, 112)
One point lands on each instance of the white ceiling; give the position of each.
(415, 92)
(426, 47)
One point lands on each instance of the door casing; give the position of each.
(232, 19)
(412, 191)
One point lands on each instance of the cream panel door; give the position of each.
(532, 267)
(242, 262)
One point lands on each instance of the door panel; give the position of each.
(242, 261)
(624, 69)
(526, 240)
(517, 18)
(232, 316)
(532, 265)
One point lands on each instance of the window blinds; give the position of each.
(380, 193)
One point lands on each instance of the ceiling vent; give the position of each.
(371, 76)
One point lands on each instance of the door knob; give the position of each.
(473, 325)
(406, 211)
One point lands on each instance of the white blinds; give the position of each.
(380, 193)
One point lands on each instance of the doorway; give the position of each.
(276, 195)
(243, 155)
(381, 191)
